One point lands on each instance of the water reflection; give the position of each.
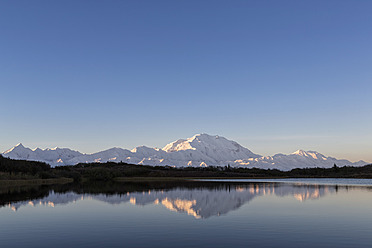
(197, 199)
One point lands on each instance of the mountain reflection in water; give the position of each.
(201, 200)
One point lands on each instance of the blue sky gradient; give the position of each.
(276, 76)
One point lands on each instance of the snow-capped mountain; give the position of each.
(199, 150)
(54, 156)
(298, 159)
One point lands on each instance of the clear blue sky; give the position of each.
(276, 76)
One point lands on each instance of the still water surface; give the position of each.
(259, 213)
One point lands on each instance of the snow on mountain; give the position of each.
(213, 149)
(55, 156)
(114, 154)
(20, 152)
(199, 150)
(298, 159)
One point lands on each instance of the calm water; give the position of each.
(241, 213)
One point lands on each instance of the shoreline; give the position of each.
(26, 182)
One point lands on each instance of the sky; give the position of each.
(275, 76)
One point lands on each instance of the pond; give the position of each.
(218, 213)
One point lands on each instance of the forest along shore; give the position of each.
(20, 172)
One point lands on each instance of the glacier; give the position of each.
(199, 150)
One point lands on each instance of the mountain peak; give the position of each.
(189, 143)
(311, 154)
(19, 146)
(186, 144)
(299, 152)
(205, 137)
(302, 152)
(213, 147)
(142, 149)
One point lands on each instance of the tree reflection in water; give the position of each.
(198, 199)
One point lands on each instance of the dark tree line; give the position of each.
(110, 170)
(22, 166)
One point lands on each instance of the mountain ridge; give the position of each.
(199, 150)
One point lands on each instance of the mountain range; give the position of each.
(199, 150)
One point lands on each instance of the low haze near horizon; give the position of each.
(275, 76)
